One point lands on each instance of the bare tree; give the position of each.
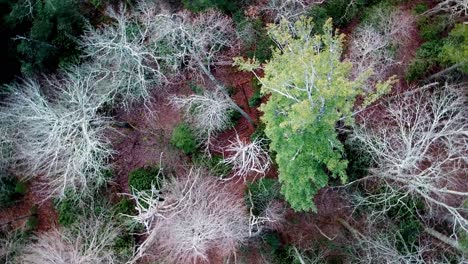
(11, 244)
(420, 149)
(208, 113)
(121, 53)
(188, 218)
(247, 158)
(194, 42)
(5, 150)
(60, 139)
(378, 247)
(290, 10)
(145, 47)
(456, 8)
(371, 43)
(89, 242)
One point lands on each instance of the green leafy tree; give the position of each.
(455, 48)
(311, 93)
(45, 30)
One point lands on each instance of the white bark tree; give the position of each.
(456, 8)
(247, 158)
(146, 47)
(121, 53)
(194, 42)
(90, 242)
(376, 246)
(207, 113)
(190, 41)
(290, 10)
(189, 218)
(371, 43)
(61, 139)
(420, 149)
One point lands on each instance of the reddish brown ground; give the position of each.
(147, 144)
(17, 215)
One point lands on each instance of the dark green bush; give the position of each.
(263, 192)
(359, 160)
(320, 15)
(231, 90)
(420, 8)
(184, 138)
(143, 178)
(338, 10)
(259, 132)
(124, 206)
(257, 44)
(256, 98)
(196, 88)
(124, 245)
(417, 69)
(21, 188)
(464, 240)
(372, 14)
(234, 117)
(32, 223)
(405, 215)
(213, 164)
(432, 28)
(429, 50)
(68, 210)
(274, 248)
(228, 6)
(11, 190)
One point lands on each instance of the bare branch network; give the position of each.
(420, 149)
(188, 219)
(120, 52)
(456, 8)
(61, 139)
(247, 158)
(378, 247)
(144, 48)
(290, 10)
(89, 242)
(370, 47)
(208, 113)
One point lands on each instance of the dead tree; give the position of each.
(381, 247)
(247, 158)
(60, 138)
(420, 149)
(194, 42)
(120, 52)
(208, 113)
(456, 8)
(188, 218)
(370, 47)
(89, 242)
(289, 10)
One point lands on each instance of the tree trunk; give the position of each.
(351, 229)
(446, 240)
(221, 88)
(441, 73)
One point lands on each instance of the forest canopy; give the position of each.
(247, 131)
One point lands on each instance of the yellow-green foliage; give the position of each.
(455, 49)
(311, 92)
